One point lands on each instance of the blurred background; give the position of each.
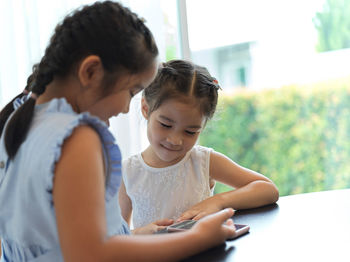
(283, 65)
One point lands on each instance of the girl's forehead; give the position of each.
(178, 111)
(180, 105)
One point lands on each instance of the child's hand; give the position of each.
(217, 227)
(202, 209)
(153, 227)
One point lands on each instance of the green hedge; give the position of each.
(299, 136)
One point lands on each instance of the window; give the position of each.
(284, 65)
(284, 68)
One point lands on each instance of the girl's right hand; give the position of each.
(153, 227)
(216, 227)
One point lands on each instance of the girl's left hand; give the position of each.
(153, 227)
(202, 209)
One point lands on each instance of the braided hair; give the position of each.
(105, 29)
(180, 79)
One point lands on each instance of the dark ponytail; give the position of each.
(106, 29)
(9, 108)
(18, 126)
(6, 112)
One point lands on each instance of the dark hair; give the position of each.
(105, 29)
(180, 79)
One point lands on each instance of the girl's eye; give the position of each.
(190, 132)
(164, 125)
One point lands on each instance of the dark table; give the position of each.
(304, 227)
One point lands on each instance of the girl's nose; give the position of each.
(174, 140)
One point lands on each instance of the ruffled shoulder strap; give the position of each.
(112, 155)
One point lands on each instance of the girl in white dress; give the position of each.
(173, 178)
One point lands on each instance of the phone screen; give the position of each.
(239, 226)
(183, 225)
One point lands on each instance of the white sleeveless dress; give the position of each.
(158, 193)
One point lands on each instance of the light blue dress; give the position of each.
(27, 215)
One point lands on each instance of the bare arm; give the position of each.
(80, 212)
(251, 188)
(125, 203)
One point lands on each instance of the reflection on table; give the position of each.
(304, 227)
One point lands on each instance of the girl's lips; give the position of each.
(170, 149)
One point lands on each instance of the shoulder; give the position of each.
(64, 131)
(217, 158)
(82, 146)
(83, 149)
(61, 130)
(199, 148)
(130, 166)
(199, 158)
(200, 151)
(83, 136)
(57, 119)
(131, 161)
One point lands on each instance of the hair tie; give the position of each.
(21, 100)
(32, 95)
(216, 83)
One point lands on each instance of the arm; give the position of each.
(251, 188)
(125, 203)
(78, 196)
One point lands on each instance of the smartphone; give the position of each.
(181, 226)
(187, 224)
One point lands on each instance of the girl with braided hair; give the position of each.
(173, 178)
(60, 168)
